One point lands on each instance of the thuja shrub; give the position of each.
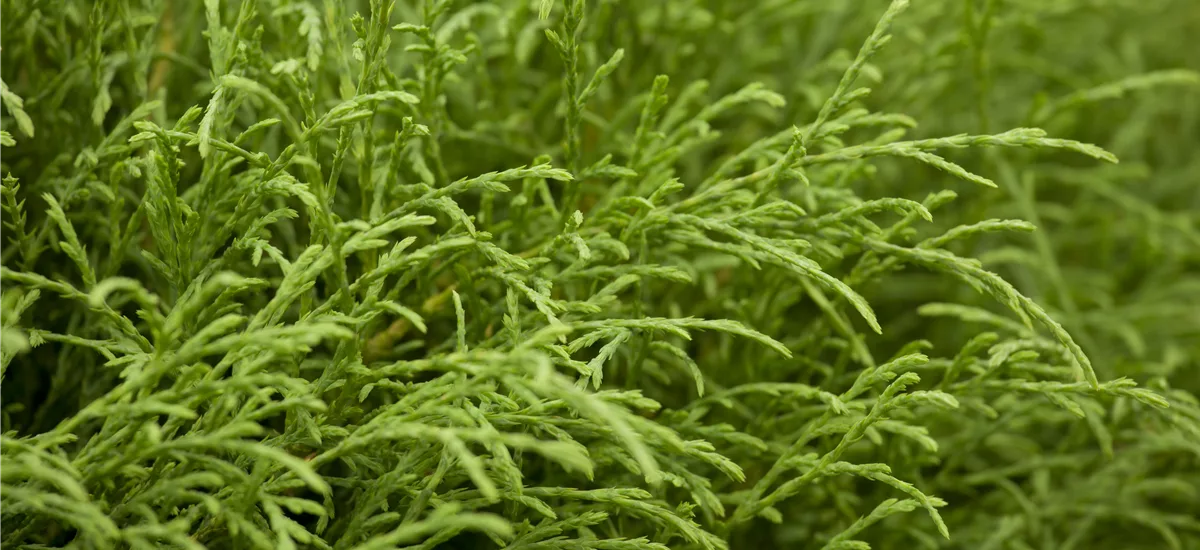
(606, 274)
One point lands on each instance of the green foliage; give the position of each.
(602, 275)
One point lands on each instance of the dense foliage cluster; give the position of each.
(600, 275)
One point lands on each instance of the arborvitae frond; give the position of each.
(540, 275)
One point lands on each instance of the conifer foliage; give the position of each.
(600, 274)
